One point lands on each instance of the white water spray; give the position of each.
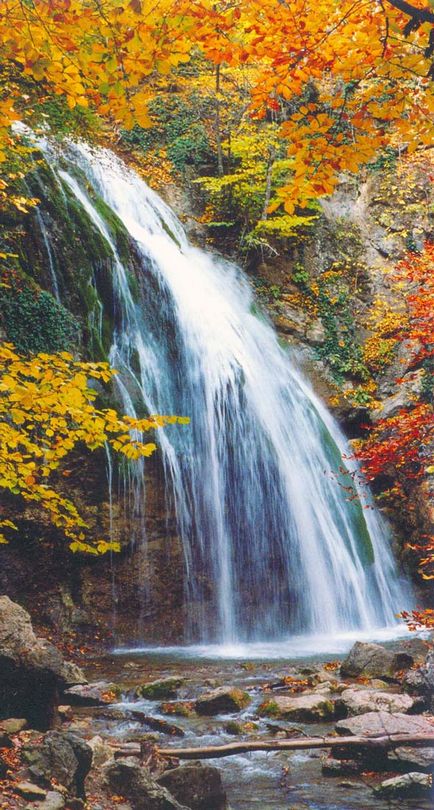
(273, 545)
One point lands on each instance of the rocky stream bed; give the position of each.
(67, 743)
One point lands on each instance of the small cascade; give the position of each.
(50, 257)
(273, 545)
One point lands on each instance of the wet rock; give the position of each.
(13, 725)
(100, 693)
(223, 700)
(236, 728)
(409, 785)
(61, 755)
(157, 724)
(32, 671)
(179, 708)
(197, 786)
(340, 767)
(381, 723)
(305, 708)
(360, 701)
(408, 759)
(374, 661)
(163, 689)
(30, 791)
(127, 778)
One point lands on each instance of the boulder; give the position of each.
(127, 778)
(374, 661)
(197, 786)
(53, 801)
(406, 758)
(223, 700)
(303, 708)
(99, 693)
(163, 689)
(409, 785)
(60, 755)
(421, 681)
(32, 671)
(376, 724)
(359, 701)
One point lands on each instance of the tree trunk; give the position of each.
(230, 749)
(218, 134)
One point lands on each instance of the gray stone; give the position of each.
(359, 701)
(374, 661)
(32, 671)
(197, 786)
(374, 724)
(421, 681)
(407, 758)
(223, 700)
(410, 785)
(61, 755)
(303, 708)
(127, 778)
(53, 801)
(92, 694)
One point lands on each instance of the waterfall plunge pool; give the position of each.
(296, 647)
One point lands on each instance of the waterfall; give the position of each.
(273, 543)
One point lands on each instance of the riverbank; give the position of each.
(135, 704)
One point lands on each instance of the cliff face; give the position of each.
(321, 291)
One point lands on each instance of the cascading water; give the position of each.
(273, 545)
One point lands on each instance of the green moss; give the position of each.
(36, 322)
(268, 708)
(160, 690)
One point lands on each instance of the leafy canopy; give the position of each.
(369, 64)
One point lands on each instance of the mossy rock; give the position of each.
(223, 700)
(307, 708)
(160, 690)
(236, 729)
(178, 708)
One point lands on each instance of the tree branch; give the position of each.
(419, 14)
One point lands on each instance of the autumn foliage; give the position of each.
(47, 408)
(402, 446)
(342, 79)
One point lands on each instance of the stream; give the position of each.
(271, 781)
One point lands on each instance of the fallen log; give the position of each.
(158, 725)
(230, 749)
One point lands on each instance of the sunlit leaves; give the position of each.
(47, 408)
(369, 72)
